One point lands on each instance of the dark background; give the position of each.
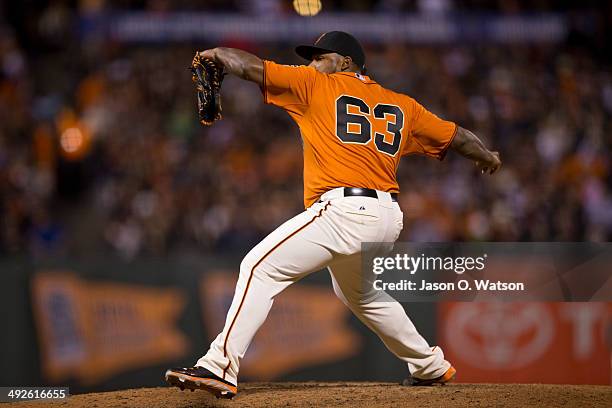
(146, 186)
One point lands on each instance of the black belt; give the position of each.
(364, 192)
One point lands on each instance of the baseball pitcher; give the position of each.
(354, 133)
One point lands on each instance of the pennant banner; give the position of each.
(90, 330)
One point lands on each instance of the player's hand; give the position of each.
(210, 54)
(490, 166)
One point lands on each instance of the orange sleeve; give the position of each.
(286, 85)
(428, 134)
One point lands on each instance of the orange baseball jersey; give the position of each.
(354, 131)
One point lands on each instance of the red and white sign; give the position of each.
(562, 343)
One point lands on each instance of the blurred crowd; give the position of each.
(280, 6)
(101, 151)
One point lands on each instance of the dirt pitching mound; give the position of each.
(353, 395)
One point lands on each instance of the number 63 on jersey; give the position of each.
(356, 128)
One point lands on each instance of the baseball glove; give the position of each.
(207, 76)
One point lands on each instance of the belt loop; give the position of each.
(333, 193)
(384, 198)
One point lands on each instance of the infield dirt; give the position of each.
(354, 395)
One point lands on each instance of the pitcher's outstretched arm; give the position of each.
(237, 62)
(470, 146)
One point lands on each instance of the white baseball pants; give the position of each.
(328, 234)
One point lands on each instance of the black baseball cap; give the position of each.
(334, 41)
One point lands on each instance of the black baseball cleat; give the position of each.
(199, 378)
(444, 379)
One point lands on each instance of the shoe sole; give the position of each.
(215, 387)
